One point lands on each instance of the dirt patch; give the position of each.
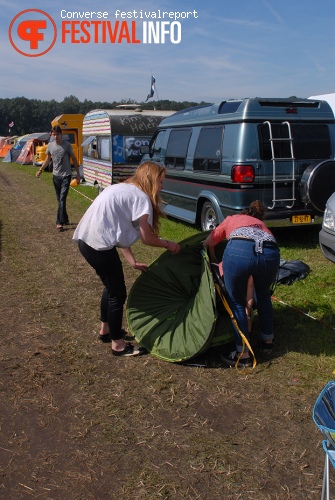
(77, 423)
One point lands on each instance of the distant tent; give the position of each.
(11, 155)
(7, 145)
(2, 140)
(26, 156)
(8, 157)
(14, 153)
(172, 309)
(21, 141)
(22, 154)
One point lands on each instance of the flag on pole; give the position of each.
(152, 90)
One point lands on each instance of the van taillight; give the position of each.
(242, 173)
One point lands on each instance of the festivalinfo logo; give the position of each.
(33, 32)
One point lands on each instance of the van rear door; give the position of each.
(286, 151)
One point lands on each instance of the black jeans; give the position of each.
(108, 267)
(62, 186)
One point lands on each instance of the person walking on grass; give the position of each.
(60, 152)
(118, 217)
(251, 251)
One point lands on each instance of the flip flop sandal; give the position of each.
(129, 350)
(106, 338)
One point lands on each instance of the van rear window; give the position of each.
(310, 141)
(176, 149)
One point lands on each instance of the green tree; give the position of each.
(34, 115)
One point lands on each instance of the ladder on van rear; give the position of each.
(276, 178)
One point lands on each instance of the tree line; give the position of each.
(19, 115)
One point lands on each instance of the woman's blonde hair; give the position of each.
(147, 178)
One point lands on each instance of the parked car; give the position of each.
(221, 157)
(327, 233)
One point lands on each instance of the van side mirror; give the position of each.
(145, 150)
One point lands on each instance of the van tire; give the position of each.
(209, 217)
(318, 184)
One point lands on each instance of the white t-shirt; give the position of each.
(112, 219)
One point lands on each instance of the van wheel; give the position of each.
(209, 217)
(318, 184)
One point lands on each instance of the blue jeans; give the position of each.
(239, 262)
(62, 186)
(107, 264)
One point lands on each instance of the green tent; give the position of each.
(172, 309)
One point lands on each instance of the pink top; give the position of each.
(233, 222)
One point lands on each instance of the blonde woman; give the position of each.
(118, 217)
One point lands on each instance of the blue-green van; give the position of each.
(221, 157)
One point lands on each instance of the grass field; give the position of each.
(77, 423)
(314, 296)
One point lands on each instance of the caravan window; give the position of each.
(176, 150)
(90, 147)
(207, 156)
(97, 147)
(103, 148)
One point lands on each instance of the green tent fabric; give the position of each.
(172, 309)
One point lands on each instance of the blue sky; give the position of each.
(232, 49)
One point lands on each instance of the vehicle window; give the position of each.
(228, 107)
(97, 147)
(207, 157)
(90, 147)
(69, 138)
(103, 148)
(310, 141)
(156, 145)
(176, 150)
(281, 147)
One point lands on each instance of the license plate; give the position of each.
(301, 219)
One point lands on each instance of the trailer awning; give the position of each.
(88, 140)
